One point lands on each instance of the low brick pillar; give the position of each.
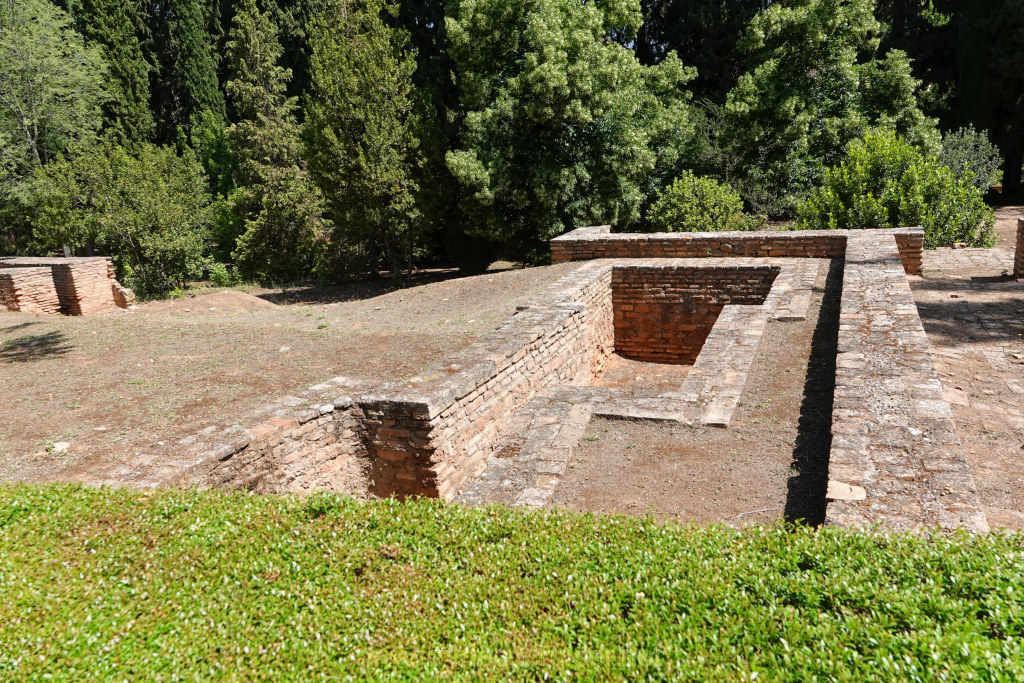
(1018, 257)
(29, 290)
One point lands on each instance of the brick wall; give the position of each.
(598, 242)
(663, 315)
(311, 448)
(29, 290)
(433, 432)
(84, 285)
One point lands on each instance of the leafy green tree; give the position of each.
(149, 211)
(51, 85)
(563, 126)
(885, 182)
(695, 204)
(115, 26)
(360, 125)
(926, 31)
(703, 34)
(283, 231)
(815, 84)
(52, 90)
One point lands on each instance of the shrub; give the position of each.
(149, 211)
(968, 150)
(219, 275)
(695, 204)
(886, 183)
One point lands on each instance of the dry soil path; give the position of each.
(973, 312)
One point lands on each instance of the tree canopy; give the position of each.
(336, 137)
(563, 126)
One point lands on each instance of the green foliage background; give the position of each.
(695, 204)
(886, 183)
(340, 137)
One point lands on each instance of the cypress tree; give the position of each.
(281, 208)
(115, 26)
(185, 87)
(197, 66)
(360, 124)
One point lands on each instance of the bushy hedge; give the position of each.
(149, 210)
(186, 585)
(969, 151)
(885, 183)
(697, 204)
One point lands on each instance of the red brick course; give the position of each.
(663, 315)
(599, 242)
(83, 285)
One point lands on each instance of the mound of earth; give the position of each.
(228, 301)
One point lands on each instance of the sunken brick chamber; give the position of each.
(431, 434)
(664, 314)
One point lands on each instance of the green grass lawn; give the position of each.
(197, 585)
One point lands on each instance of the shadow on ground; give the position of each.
(35, 347)
(14, 328)
(805, 500)
(961, 321)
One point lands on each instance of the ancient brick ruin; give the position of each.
(664, 314)
(72, 286)
(499, 421)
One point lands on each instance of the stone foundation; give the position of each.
(83, 286)
(896, 455)
(498, 422)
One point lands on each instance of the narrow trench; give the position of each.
(805, 499)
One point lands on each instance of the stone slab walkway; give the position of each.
(974, 317)
(895, 450)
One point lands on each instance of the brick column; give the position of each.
(1018, 257)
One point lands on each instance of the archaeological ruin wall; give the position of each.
(664, 314)
(82, 285)
(499, 421)
(29, 290)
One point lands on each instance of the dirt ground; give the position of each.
(770, 463)
(627, 374)
(973, 311)
(114, 384)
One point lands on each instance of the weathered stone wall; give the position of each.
(311, 448)
(84, 285)
(426, 436)
(664, 314)
(896, 457)
(29, 290)
(599, 242)
(1018, 254)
